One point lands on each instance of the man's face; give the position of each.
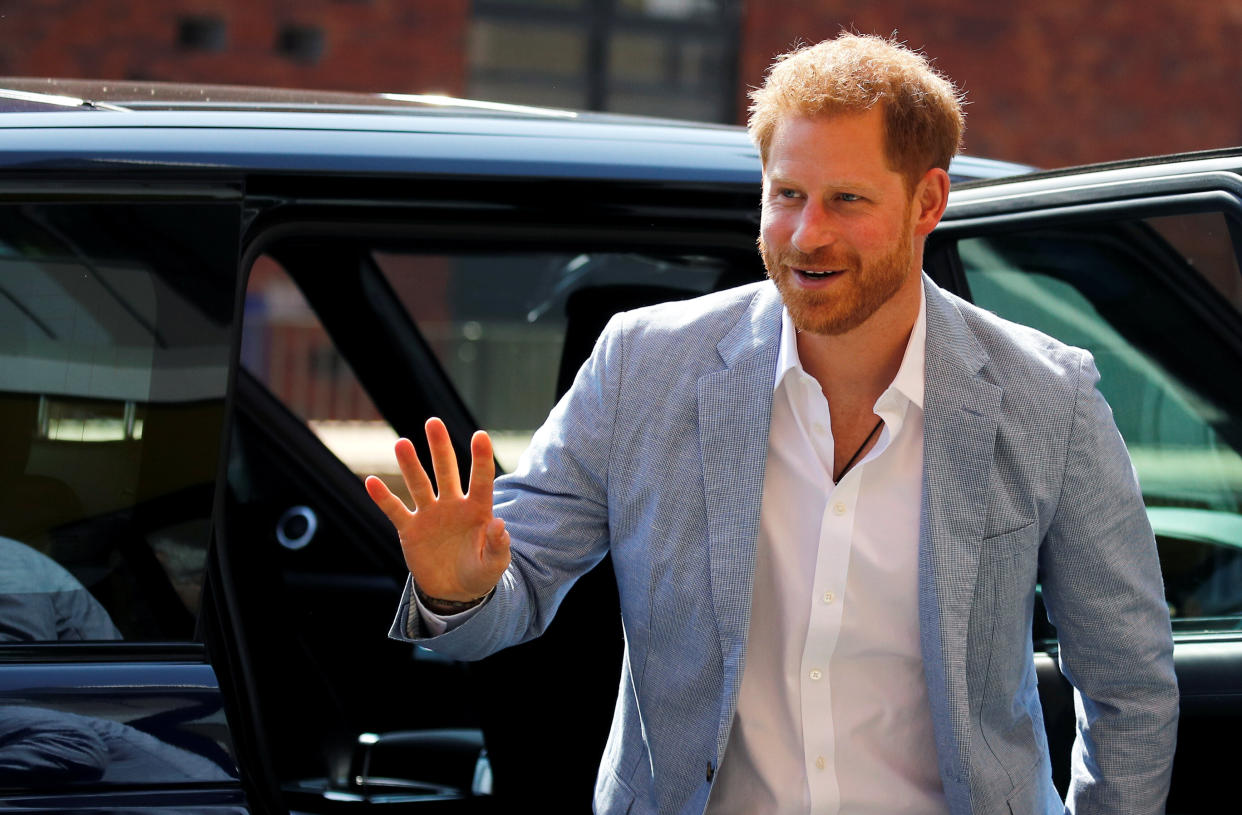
(837, 229)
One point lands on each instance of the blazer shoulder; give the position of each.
(1020, 354)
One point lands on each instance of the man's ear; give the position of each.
(931, 196)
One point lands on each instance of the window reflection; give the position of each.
(41, 601)
(51, 750)
(89, 420)
(114, 348)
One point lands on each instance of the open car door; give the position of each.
(116, 333)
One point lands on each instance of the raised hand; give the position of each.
(453, 545)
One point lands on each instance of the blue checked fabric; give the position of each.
(657, 455)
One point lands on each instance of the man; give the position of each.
(827, 501)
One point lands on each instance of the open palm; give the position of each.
(454, 546)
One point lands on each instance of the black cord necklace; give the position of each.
(857, 453)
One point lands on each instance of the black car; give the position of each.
(220, 306)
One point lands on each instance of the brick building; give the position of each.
(1052, 83)
(335, 44)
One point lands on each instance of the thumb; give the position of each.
(496, 545)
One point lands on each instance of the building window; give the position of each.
(300, 43)
(202, 33)
(674, 58)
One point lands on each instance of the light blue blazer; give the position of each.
(657, 455)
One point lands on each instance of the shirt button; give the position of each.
(838, 508)
(820, 763)
(829, 597)
(816, 674)
(819, 428)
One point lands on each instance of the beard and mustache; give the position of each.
(868, 284)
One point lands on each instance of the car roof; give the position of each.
(223, 127)
(1118, 180)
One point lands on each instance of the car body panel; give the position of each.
(93, 733)
(390, 145)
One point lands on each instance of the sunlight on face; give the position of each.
(837, 229)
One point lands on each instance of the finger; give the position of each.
(443, 459)
(416, 480)
(392, 506)
(482, 467)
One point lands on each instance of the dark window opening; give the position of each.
(301, 43)
(202, 33)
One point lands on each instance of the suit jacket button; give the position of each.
(711, 771)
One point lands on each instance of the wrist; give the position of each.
(444, 608)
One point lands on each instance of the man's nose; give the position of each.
(814, 229)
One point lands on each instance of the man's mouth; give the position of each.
(817, 274)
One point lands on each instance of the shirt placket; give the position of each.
(827, 602)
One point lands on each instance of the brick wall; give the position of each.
(1053, 83)
(381, 45)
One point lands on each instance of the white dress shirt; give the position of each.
(833, 715)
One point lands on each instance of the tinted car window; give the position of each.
(114, 336)
(1133, 294)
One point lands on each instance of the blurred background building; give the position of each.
(1053, 83)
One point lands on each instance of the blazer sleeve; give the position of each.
(555, 508)
(1103, 589)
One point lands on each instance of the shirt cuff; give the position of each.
(436, 624)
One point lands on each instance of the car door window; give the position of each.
(1150, 298)
(114, 336)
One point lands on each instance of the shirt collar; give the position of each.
(910, 378)
(787, 356)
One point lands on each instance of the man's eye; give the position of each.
(849, 197)
(787, 193)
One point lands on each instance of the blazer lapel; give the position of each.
(735, 410)
(959, 431)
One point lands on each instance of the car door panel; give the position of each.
(160, 727)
